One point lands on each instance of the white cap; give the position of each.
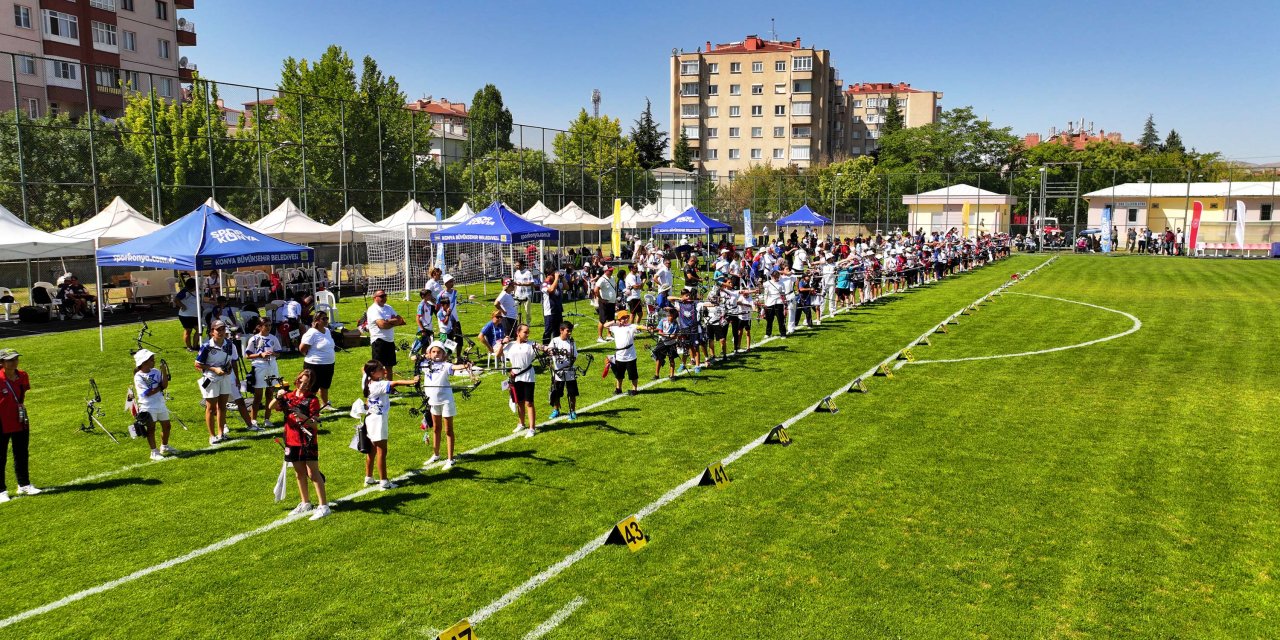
(437, 343)
(142, 356)
(448, 277)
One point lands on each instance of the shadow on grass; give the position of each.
(106, 484)
(211, 451)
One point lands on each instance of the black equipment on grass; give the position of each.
(93, 411)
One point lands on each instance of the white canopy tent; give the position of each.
(21, 241)
(116, 222)
(217, 207)
(351, 228)
(539, 213)
(410, 212)
(651, 214)
(574, 218)
(463, 214)
(287, 222)
(631, 219)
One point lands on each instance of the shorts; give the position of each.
(843, 293)
(211, 388)
(264, 371)
(627, 368)
(188, 322)
(321, 375)
(558, 388)
(664, 352)
(445, 410)
(385, 352)
(306, 453)
(718, 331)
(606, 311)
(160, 414)
(523, 391)
(377, 427)
(634, 307)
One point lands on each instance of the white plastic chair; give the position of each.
(326, 302)
(54, 307)
(8, 306)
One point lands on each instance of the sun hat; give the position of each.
(142, 356)
(448, 277)
(8, 354)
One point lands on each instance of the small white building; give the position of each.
(943, 209)
(1169, 205)
(676, 188)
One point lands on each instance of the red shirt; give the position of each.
(293, 436)
(9, 403)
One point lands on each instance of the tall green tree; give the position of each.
(489, 122)
(959, 141)
(597, 148)
(1150, 140)
(651, 142)
(893, 120)
(681, 157)
(1173, 142)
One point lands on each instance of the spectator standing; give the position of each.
(382, 321)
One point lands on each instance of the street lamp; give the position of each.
(600, 189)
(286, 143)
(835, 185)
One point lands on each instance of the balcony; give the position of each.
(186, 33)
(186, 71)
(184, 4)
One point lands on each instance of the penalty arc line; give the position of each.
(556, 569)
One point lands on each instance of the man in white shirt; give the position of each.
(564, 377)
(523, 279)
(506, 304)
(799, 259)
(663, 279)
(788, 281)
(632, 282)
(607, 301)
(382, 322)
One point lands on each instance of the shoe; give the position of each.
(529, 433)
(680, 370)
(632, 392)
(448, 464)
(329, 409)
(517, 429)
(265, 424)
(302, 508)
(432, 460)
(368, 480)
(77, 317)
(28, 490)
(224, 433)
(156, 456)
(256, 428)
(386, 485)
(601, 341)
(213, 440)
(4, 496)
(697, 369)
(617, 391)
(573, 415)
(555, 413)
(321, 511)
(655, 376)
(169, 451)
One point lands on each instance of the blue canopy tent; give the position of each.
(202, 239)
(496, 224)
(804, 217)
(692, 222)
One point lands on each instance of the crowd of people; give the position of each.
(788, 283)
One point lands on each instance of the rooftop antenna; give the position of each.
(595, 103)
(773, 32)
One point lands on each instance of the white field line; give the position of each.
(556, 618)
(550, 572)
(1137, 324)
(223, 544)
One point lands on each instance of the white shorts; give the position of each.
(159, 414)
(263, 371)
(445, 410)
(217, 386)
(377, 427)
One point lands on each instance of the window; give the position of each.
(855, 134)
(735, 132)
(130, 41)
(695, 154)
(757, 89)
(1265, 214)
(779, 109)
(735, 111)
(779, 132)
(104, 35)
(106, 77)
(164, 49)
(757, 110)
(711, 175)
(162, 10)
(801, 108)
(164, 87)
(713, 67)
(713, 112)
(109, 5)
(780, 88)
(777, 154)
(802, 86)
(801, 132)
(857, 119)
(131, 80)
(713, 132)
(713, 154)
(735, 89)
(33, 108)
(902, 102)
(62, 73)
(1133, 215)
(62, 27)
(127, 5)
(757, 67)
(686, 88)
(688, 111)
(27, 65)
(735, 154)
(732, 175)
(802, 63)
(690, 131)
(53, 108)
(800, 152)
(757, 154)
(735, 67)
(712, 90)
(780, 66)
(22, 16)
(857, 104)
(689, 68)
(873, 134)
(757, 132)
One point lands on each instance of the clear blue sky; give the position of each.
(1208, 70)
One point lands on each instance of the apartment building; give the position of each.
(448, 127)
(70, 56)
(753, 102)
(867, 103)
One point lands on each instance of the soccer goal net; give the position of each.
(401, 260)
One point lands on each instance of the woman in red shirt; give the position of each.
(301, 412)
(14, 426)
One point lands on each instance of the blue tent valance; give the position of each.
(691, 222)
(803, 217)
(204, 239)
(495, 225)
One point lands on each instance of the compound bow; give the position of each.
(93, 411)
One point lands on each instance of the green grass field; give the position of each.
(1125, 488)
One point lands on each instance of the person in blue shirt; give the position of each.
(687, 328)
(492, 333)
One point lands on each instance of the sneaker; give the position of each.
(601, 341)
(697, 369)
(302, 508)
(266, 424)
(368, 480)
(448, 464)
(633, 392)
(155, 456)
(77, 317)
(386, 485)
(617, 391)
(573, 415)
(4, 496)
(680, 370)
(517, 429)
(328, 408)
(529, 433)
(168, 450)
(555, 413)
(28, 490)
(254, 427)
(214, 440)
(432, 460)
(321, 511)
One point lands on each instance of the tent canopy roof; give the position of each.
(288, 222)
(116, 222)
(354, 222)
(21, 241)
(803, 217)
(495, 225)
(691, 222)
(204, 239)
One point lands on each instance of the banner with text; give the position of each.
(1106, 229)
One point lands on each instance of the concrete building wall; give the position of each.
(1217, 220)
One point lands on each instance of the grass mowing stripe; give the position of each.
(547, 574)
(555, 620)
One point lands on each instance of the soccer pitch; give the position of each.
(1121, 487)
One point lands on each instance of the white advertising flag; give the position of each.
(1240, 211)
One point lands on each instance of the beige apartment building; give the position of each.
(753, 102)
(70, 56)
(865, 106)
